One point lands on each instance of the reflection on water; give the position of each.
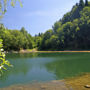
(69, 66)
(44, 67)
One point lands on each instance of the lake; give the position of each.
(43, 67)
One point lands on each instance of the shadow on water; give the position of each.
(70, 65)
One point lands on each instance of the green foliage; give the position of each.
(3, 63)
(56, 26)
(75, 12)
(15, 39)
(71, 32)
(45, 39)
(5, 35)
(86, 2)
(81, 3)
(3, 5)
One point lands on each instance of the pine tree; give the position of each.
(86, 2)
(81, 3)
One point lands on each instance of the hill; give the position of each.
(72, 32)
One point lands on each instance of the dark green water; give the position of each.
(40, 67)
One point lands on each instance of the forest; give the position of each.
(72, 32)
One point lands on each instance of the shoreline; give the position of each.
(35, 51)
(75, 83)
(63, 51)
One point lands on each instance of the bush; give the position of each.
(3, 63)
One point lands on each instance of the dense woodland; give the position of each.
(72, 32)
(16, 39)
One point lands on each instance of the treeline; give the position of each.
(72, 32)
(15, 39)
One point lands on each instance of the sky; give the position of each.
(36, 15)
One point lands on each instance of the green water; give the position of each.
(43, 67)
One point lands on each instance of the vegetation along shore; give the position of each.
(71, 32)
(57, 57)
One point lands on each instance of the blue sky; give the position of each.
(36, 15)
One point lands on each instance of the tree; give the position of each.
(54, 42)
(70, 32)
(45, 40)
(81, 3)
(29, 43)
(23, 31)
(86, 2)
(3, 63)
(56, 26)
(3, 9)
(3, 6)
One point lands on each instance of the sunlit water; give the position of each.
(43, 67)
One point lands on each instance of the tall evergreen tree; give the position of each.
(86, 2)
(81, 3)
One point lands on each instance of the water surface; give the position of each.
(43, 67)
